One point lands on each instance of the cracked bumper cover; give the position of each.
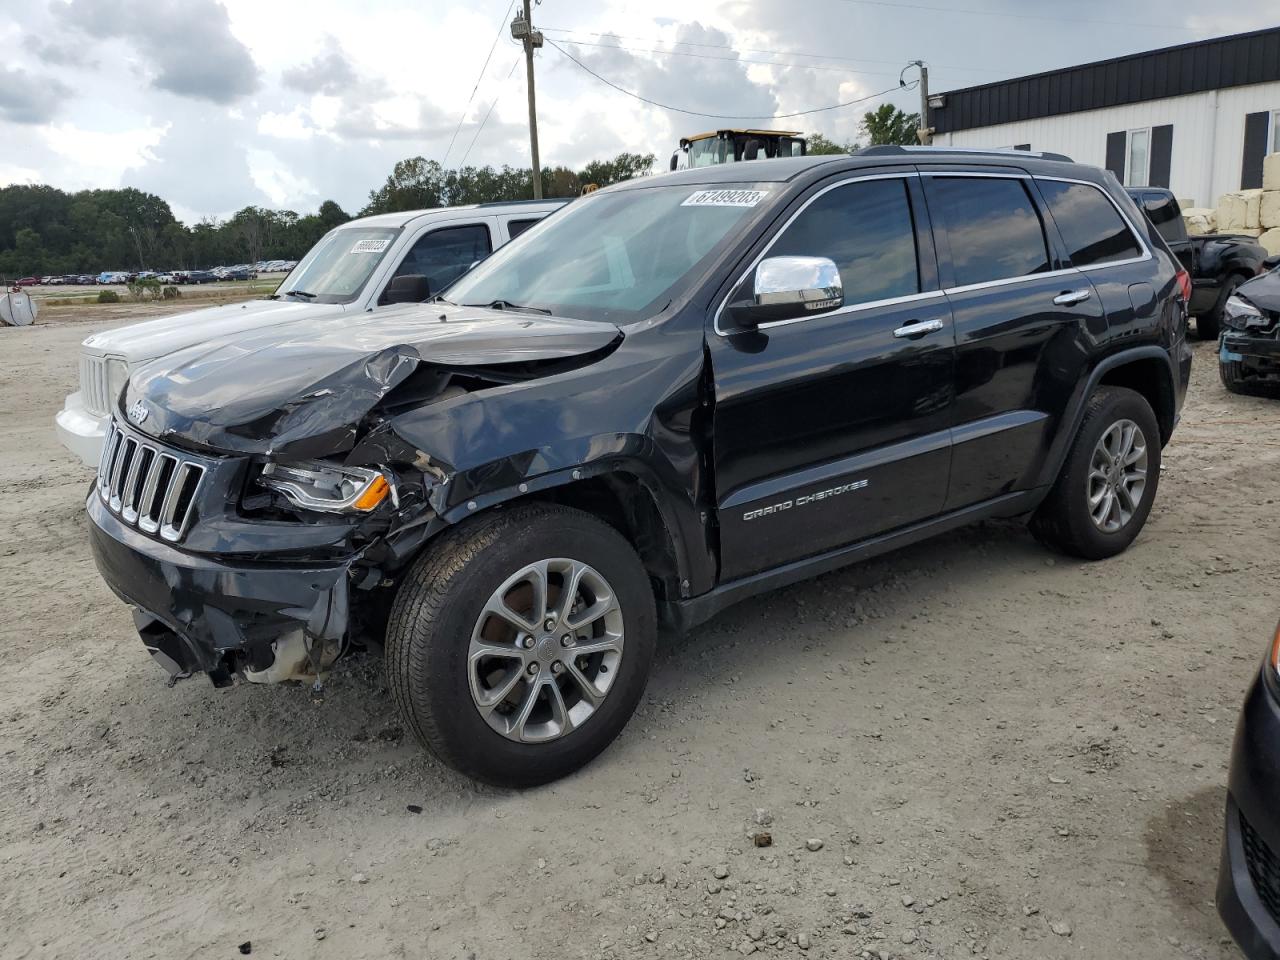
(192, 611)
(1240, 345)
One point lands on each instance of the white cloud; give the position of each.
(223, 103)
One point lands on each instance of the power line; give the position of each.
(463, 162)
(729, 46)
(720, 116)
(494, 46)
(705, 56)
(1016, 16)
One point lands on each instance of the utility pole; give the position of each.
(522, 30)
(925, 132)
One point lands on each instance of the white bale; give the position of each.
(1269, 212)
(1200, 220)
(1253, 208)
(1271, 241)
(1232, 210)
(1271, 172)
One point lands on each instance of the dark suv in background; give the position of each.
(671, 395)
(1219, 263)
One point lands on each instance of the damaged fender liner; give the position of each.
(194, 611)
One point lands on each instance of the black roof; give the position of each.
(1216, 64)
(807, 169)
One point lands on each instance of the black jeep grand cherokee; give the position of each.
(670, 395)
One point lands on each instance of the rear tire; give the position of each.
(517, 706)
(1108, 482)
(1209, 325)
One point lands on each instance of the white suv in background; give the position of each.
(359, 266)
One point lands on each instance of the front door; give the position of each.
(444, 254)
(833, 428)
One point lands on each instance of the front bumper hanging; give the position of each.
(198, 615)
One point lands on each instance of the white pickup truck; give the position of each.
(357, 267)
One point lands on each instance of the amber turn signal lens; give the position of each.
(375, 493)
(1274, 659)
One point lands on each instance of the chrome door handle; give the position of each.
(918, 328)
(1072, 297)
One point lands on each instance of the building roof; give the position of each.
(1216, 64)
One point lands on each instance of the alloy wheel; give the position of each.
(1117, 476)
(545, 650)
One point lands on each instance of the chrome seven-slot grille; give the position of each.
(147, 486)
(94, 387)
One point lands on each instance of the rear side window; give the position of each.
(517, 227)
(1089, 223)
(1164, 216)
(866, 228)
(994, 230)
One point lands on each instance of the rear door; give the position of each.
(833, 428)
(1021, 311)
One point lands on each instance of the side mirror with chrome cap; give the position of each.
(786, 288)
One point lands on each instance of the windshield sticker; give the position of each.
(370, 246)
(725, 198)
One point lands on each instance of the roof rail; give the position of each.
(895, 151)
(516, 203)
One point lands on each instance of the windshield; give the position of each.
(706, 152)
(336, 269)
(616, 257)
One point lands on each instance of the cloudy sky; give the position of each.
(215, 104)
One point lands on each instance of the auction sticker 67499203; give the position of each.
(725, 198)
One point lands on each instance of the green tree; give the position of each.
(625, 166)
(818, 145)
(889, 125)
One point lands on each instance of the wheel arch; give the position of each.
(629, 498)
(1148, 370)
(1151, 377)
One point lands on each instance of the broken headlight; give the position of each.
(1240, 314)
(326, 487)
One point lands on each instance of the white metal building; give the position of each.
(1198, 118)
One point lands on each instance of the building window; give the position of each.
(1275, 131)
(1138, 153)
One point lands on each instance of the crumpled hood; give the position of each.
(302, 388)
(165, 335)
(1263, 292)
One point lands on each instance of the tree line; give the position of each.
(46, 231)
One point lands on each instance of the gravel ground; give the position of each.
(968, 748)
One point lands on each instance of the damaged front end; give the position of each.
(245, 506)
(1250, 339)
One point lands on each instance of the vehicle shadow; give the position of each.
(286, 742)
(1182, 844)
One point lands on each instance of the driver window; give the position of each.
(866, 228)
(442, 256)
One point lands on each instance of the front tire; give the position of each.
(1236, 378)
(520, 644)
(1108, 482)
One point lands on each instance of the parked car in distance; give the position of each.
(1249, 348)
(27, 282)
(676, 393)
(362, 265)
(1218, 263)
(1249, 873)
(201, 276)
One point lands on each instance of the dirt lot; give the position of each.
(990, 744)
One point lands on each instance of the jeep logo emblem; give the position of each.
(137, 412)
